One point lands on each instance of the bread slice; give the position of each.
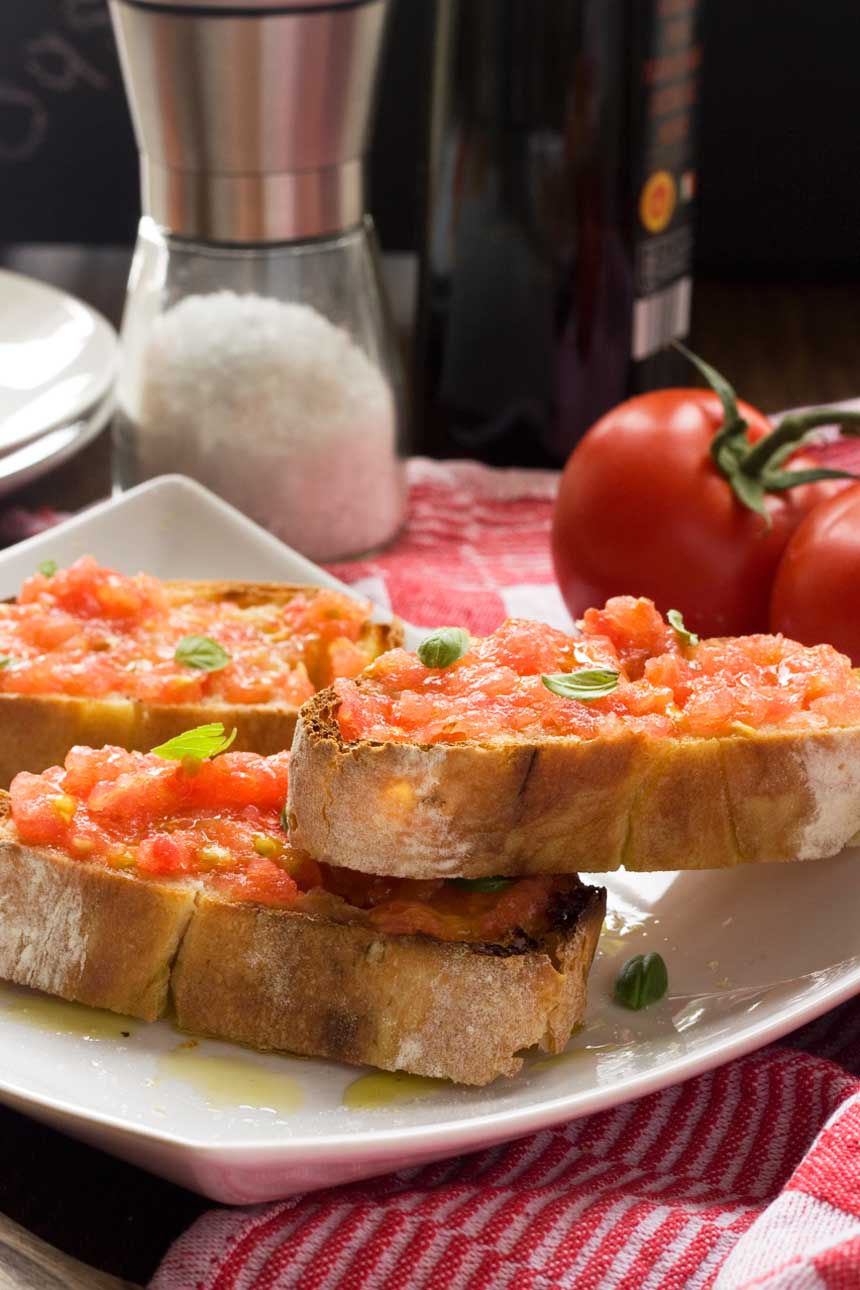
(563, 805)
(36, 731)
(84, 932)
(290, 981)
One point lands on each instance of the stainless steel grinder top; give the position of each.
(251, 118)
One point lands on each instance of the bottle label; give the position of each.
(662, 317)
(665, 181)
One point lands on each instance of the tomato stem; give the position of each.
(718, 384)
(752, 470)
(791, 430)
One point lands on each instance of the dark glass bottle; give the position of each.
(560, 232)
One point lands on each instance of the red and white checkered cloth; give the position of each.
(747, 1176)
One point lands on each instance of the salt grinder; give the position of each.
(251, 119)
(257, 353)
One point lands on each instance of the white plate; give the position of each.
(752, 953)
(57, 359)
(48, 451)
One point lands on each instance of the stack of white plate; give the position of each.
(57, 368)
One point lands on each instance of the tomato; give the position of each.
(664, 685)
(643, 509)
(451, 914)
(653, 504)
(90, 631)
(816, 596)
(89, 591)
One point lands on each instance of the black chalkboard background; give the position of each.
(68, 166)
(779, 196)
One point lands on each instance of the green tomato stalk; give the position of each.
(751, 470)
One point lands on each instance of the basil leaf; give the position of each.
(443, 647)
(481, 884)
(5, 660)
(199, 743)
(201, 652)
(642, 981)
(48, 568)
(676, 619)
(586, 684)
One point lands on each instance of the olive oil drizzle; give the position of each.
(388, 1088)
(232, 1083)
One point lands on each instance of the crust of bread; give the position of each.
(36, 731)
(288, 981)
(87, 933)
(568, 806)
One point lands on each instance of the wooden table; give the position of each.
(779, 345)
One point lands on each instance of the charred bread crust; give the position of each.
(36, 731)
(288, 981)
(566, 806)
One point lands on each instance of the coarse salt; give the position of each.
(280, 412)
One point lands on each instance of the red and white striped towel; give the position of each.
(745, 1177)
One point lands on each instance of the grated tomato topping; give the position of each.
(90, 631)
(665, 687)
(218, 822)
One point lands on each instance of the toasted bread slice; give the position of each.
(282, 980)
(563, 805)
(36, 731)
(290, 981)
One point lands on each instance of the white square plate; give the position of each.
(751, 953)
